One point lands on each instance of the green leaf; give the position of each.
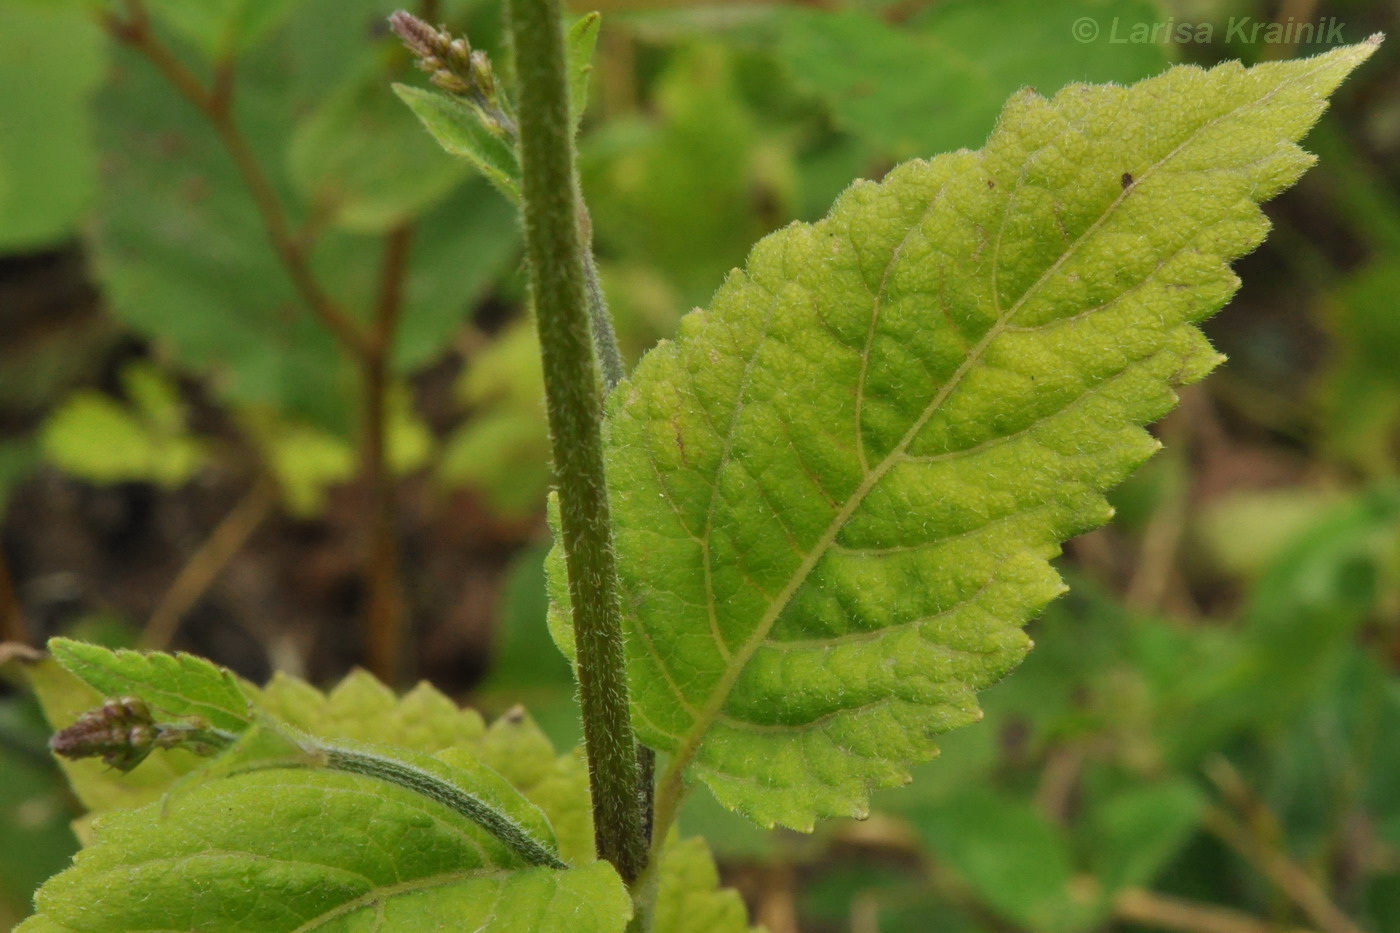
(689, 898)
(916, 91)
(184, 255)
(837, 493)
(95, 438)
(361, 160)
(457, 129)
(175, 684)
(361, 709)
(503, 447)
(278, 848)
(222, 28)
(580, 44)
(52, 57)
(1016, 860)
(1137, 832)
(64, 697)
(281, 850)
(678, 192)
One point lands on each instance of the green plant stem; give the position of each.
(434, 788)
(123, 732)
(558, 280)
(604, 337)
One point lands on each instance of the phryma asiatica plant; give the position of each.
(791, 545)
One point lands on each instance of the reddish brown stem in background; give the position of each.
(215, 104)
(371, 349)
(1254, 835)
(1162, 912)
(12, 626)
(385, 617)
(205, 565)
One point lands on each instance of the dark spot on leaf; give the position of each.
(991, 184)
(1127, 181)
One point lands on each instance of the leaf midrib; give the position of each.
(691, 742)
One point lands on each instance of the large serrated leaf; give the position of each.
(280, 850)
(837, 493)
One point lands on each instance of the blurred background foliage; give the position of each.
(268, 392)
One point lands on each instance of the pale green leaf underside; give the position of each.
(285, 850)
(837, 492)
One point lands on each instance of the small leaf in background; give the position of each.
(35, 807)
(221, 29)
(686, 192)
(524, 656)
(458, 130)
(823, 559)
(579, 46)
(1361, 393)
(52, 56)
(362, 161)
(409, 439)
(1247, 531)
(305, 460)
(939, 84)
(1017, 861)
(1136, 832)
(96, 438)
(502, 448)
(308, 461)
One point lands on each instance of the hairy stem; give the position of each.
(604, 337)
(558, 281)
(429, 785)
(123, 732)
